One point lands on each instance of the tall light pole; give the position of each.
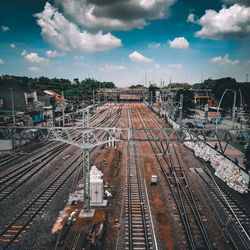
(93, 97)
(218, 108)
(13, 106)
(181, 108)
(241, 108)
(233, 118)
(63, 108)
(234, 104)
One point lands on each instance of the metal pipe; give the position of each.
(241, 108)
(93, 97)
(233, 118)
(63, 108)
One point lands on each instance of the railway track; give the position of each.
(18, 156)
(15, 178)
(22, 221)
(231, 217)
(193, 227)
(138, 224)
(4, 161)
(78, 241)
(10, 182)
(18, 225)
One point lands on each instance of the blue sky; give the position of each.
(126, 41)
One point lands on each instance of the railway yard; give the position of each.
(188, 207)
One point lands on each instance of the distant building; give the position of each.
(136, 94)
(35, 104)
(43, 97)
(18, 97)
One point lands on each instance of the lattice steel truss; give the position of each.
(91, 135)
(96, 136)
(86, 160)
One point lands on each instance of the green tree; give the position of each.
(188, 97)
(136, 86)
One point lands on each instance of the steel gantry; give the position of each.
(91, 138)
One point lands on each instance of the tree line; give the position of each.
(72, 89)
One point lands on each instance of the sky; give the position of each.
(126, 41)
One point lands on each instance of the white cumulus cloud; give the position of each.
(33, 69)
(13, 46)
(175, 66)
(52, 53)
(139, 58)
(108, 68)
(232, 22)
(66, 36)
(243, 2)
(115, 14)
(5, 28)
(224, 60)
(192, 18)
(179, 43)
(33, 57)
(1, 61)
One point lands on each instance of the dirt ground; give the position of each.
(109, 161)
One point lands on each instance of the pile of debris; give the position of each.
(95, 174)
(224, 168)
(76, 197)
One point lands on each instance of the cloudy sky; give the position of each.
(126, 41)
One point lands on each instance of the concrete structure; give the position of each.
(18, 96)
(6, 145)
(123, 94)
(17, 102)
(96, 191)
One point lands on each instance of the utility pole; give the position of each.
(181, 108)
(105, 97)
(99, 93)
(63, 109)
(234, 107)
(13, 106)
(93, 97)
